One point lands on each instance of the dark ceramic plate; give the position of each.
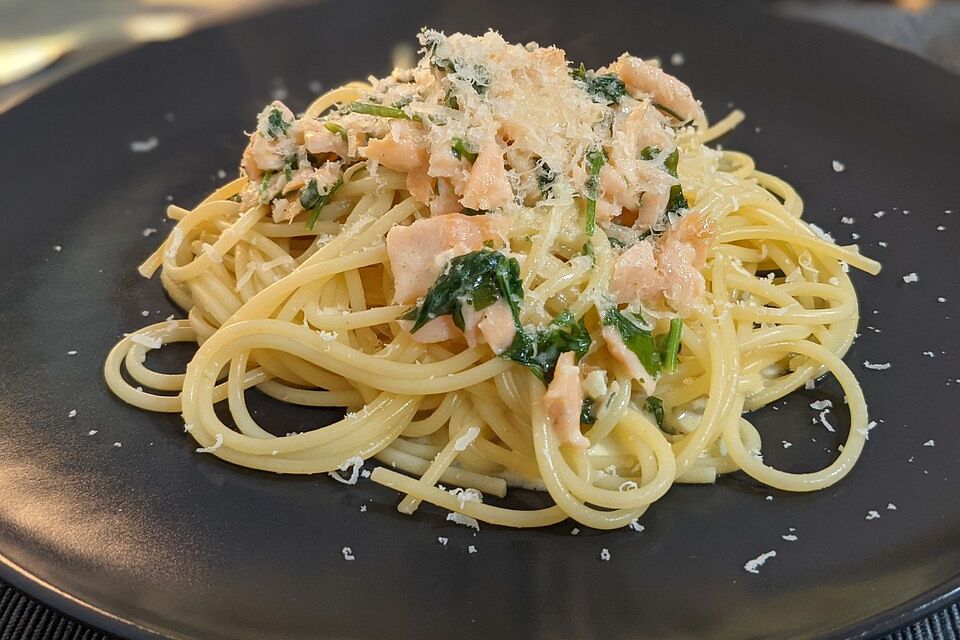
(147, 539)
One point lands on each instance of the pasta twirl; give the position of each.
(510, 272)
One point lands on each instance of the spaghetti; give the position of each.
(510, 274)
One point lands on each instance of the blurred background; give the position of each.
(41, 41)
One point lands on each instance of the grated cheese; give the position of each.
(463, 519)
(753, 566)
(147, 341)
(880, 366)
(216, 445)
(464, 441)
(348, 554)
(605, 554)
(872, 515)
(354, 464)
(143, 146)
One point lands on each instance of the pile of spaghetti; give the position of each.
(510, 272)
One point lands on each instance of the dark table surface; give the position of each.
(931, 32)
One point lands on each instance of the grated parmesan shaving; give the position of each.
(463, 519)
(879, 366)
(216, 445)
(464, 441)
(149, 342)
(753, 566)
(354, 464)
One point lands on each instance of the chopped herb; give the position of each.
(488, 244)
(655, 406)
(606, 88)
(616, 242)
(289, 165)
(545, 177)
(333, 127)
(265, 196)
(539, 350)
(636, 338)
(312, 199)
(380, 110)
(669, 112)
(479, 279)
(587, 412)
(587, 250)
(462, 151)
(672, 347)
(649, 153)
(595, 161)
(451, 101)
(276, 125)
(473, 212)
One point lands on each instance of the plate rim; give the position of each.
(925, 604)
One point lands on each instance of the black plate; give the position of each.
(150, 540)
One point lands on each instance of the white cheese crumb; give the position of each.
(941, 228)
(57, 248)
(605, 554)
(846, 220)
(471, 549)
(823, 421)
(354, 464)
(769, 498)
(865, 432)
(879, 366)
(628, 485)
(443, 541)
(148, 341)
(753, 566)
(872, 515)
(72, 414)
(786, 444)
(149, 231)
(143, 146)
(363, 508)
(809, 384)
(329, 336)
(854, 235)
(879, 214)
(216, 445)
(72, 352)
(790, 537)
(464, 441)
(911, 277)
(929, 443)
(348, 554)
(930, 354)
(677, 59)
(117, 444)
(891, 506)
(92, 432)
(463, 519)
(636, 526)
(575, 531)
(838, 166)
(941, 299)
(818, 405)
(365, 473)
